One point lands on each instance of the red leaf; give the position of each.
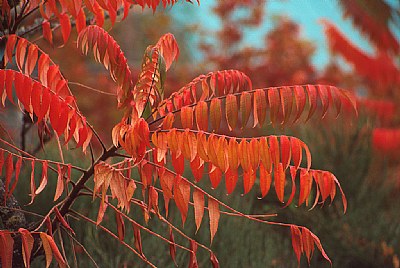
(215, 175)
(6, 249)
(18, 165)
(65, 26)
(214, 260)
(178, 162)
(197, 167)
(1, 160)
(9, 171)
(120, 225)
(63, 222)
(138, 238)
(312, 100)
(47, 32)
(198, 203)
(300, 98)
(172, 246)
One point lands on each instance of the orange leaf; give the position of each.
(201, 113)
(182, 196)
(44, 179)
(60, 182)
(274, 150)
(265, 180)
(214, 214)
(308, 243)
(286, 102)
(285, 151)
(231, 178)
(102, 210)
(215, 114)
(166, 182)
(56, 252)
(279, 179)
(260, 107)
(296, 241)
(249, 178)
(296, 152)
(47, 249)
(187, 117)
(33, 186)
(198, 203)
(305, 186)
(274, 103)
(244, 155)
(231, 111)
(27, 245)
(245, 107)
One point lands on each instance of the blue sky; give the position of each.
(306, 13)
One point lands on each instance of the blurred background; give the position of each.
(352, 44)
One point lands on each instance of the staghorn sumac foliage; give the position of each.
(199, 128)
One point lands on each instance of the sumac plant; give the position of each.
(156, 140)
